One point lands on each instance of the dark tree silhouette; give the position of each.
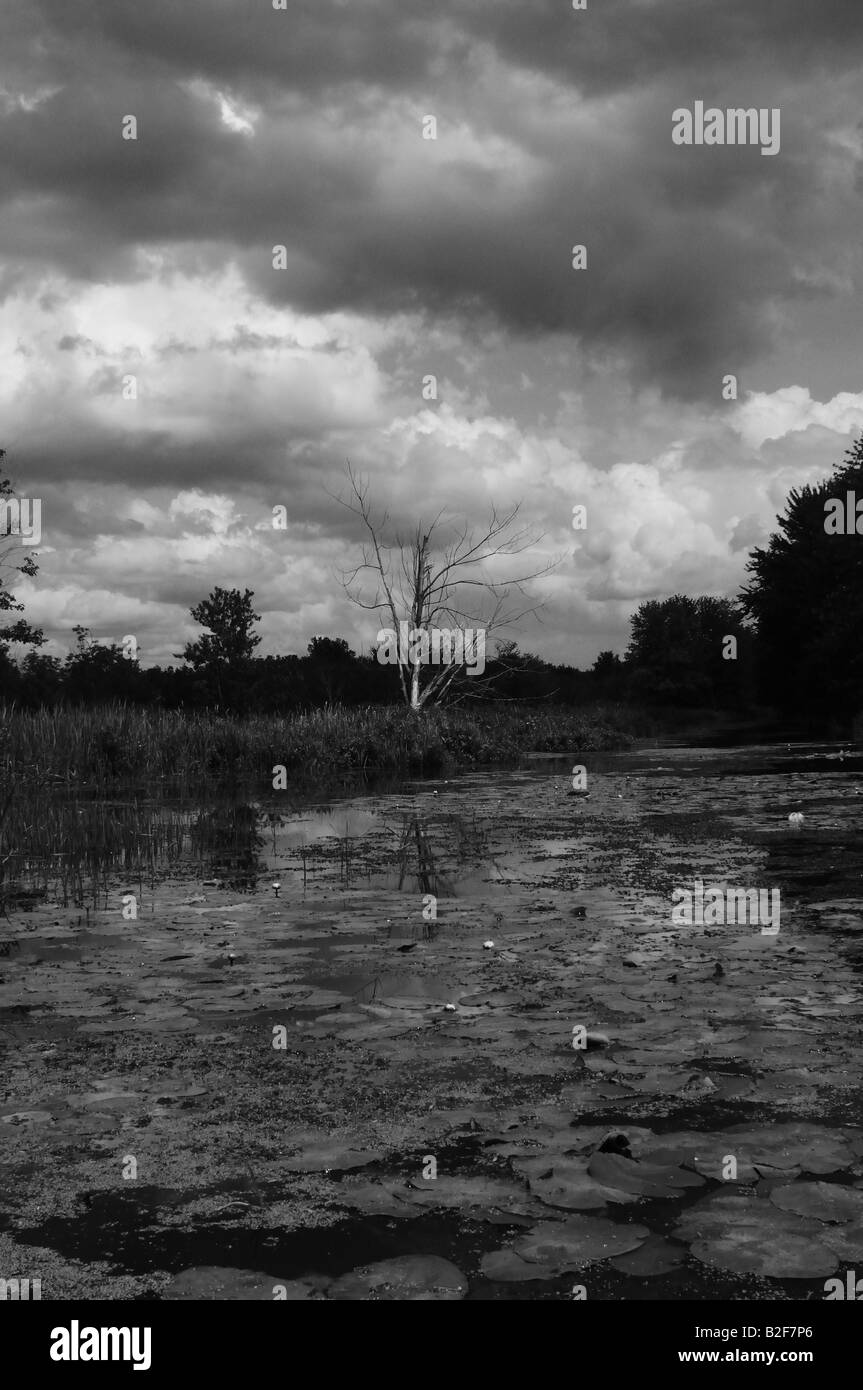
(331, 667)
(806, 601)
(675, 654)
(95, 671)
(221, 656)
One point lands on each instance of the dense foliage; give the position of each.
(805, 598)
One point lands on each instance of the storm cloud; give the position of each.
(260, 128)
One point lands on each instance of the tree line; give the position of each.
(791, 641)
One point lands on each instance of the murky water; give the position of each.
(281, 1005)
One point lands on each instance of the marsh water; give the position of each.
(268, 1043)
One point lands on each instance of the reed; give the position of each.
(99, 747)
(90, 795)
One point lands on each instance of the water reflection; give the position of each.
(417, 867)
(71, 847)
(227, 839)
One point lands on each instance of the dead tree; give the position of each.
(438, 576)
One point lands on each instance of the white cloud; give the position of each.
(772, 414)
(208, 357)
(232, 113)
(675, 496)
(218, 512)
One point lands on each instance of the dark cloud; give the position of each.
(613, 45)
(687, 248)
(690, 250)
(71, 342)
(621, 44)
(150, 459)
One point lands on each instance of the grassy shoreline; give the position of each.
(115, 743)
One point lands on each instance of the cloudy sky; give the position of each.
(405, 257)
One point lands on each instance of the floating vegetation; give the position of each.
(344, 1091)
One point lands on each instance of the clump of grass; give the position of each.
(106, 746)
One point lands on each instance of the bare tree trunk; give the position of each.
(415, 686)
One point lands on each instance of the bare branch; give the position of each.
(409, 583)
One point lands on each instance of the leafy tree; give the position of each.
(805, 598)
(675, 654)
(333, 649)
(228, 616)
(223, 653)
(41, 680)
(95, 672)
(331, 666)
(608, 663)
(609, 676)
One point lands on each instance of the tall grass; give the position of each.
(88, 792)
(113, 744)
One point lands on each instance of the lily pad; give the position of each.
(571, 1186)
(823, 1200)
(377, 1198)
(811, 1148)
(845, 1241)
(473, 1193)
(656, 1256)
(331, 1157)
(577, 1241)
(774, 1150)
(748, 1235)
(410, 1278)
(208, 1282)
(505, 1267)
(641, 1179)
